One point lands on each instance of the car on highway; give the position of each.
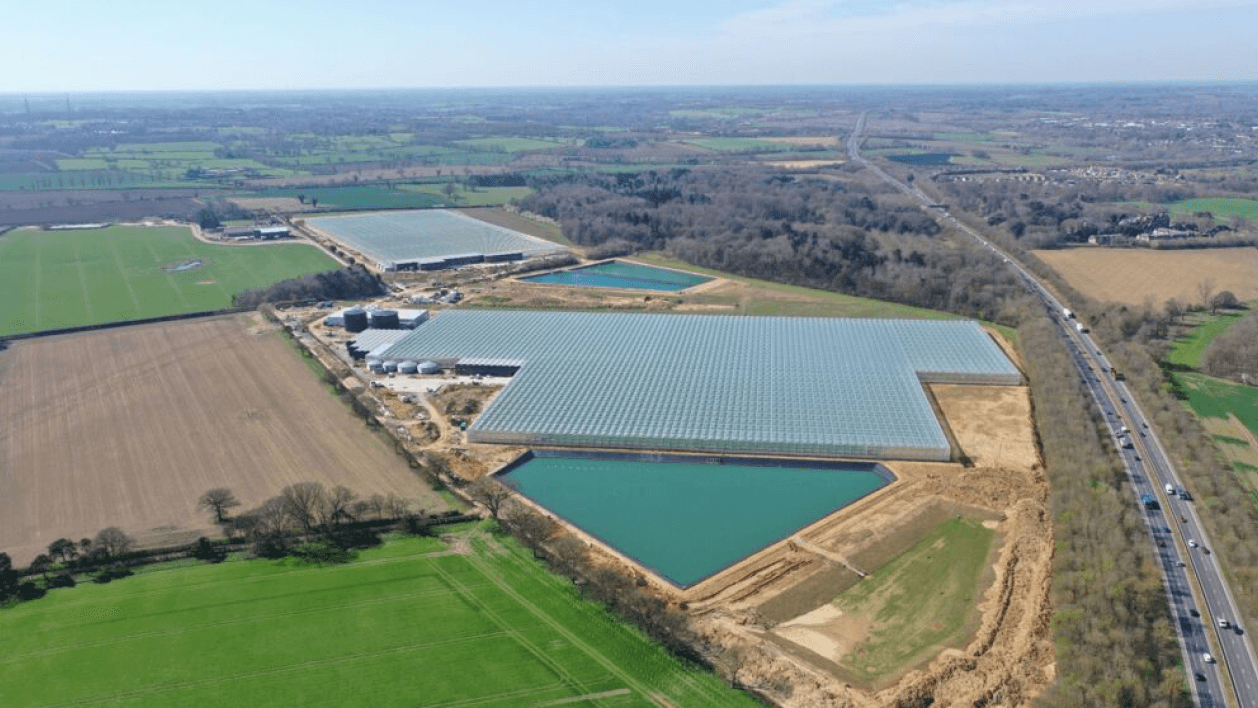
(1206, 657)
(1194, 612)
(1200, 676)
(1223, 623)
(1192, 543)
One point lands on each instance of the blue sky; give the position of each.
(72, 45)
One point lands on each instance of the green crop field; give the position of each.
(54, 279)
(408, 624)
(919, 602)
(513, 144)
(1246, 208)
(1215, 398)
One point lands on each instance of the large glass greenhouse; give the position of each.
(721, 384)
(426, 234)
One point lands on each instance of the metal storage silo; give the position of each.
(355, 319)
(408, 367)
(390, 366)
(384, 319)
(429, 367)
(376, 366)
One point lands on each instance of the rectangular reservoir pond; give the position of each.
(684, 517)
(617, 274)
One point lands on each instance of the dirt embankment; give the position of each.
(774, 609)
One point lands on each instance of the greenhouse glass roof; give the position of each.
(773, 385)
(426, 234)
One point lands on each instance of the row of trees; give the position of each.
(569, 556)
(64, 558)
(1115, 642)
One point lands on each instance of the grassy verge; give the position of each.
(1189, 348)
(408, 624)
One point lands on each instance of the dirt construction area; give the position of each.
(776, 619)
(128, 427)
(1133, 275)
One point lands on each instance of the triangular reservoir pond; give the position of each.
(685, 517)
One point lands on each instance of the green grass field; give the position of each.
(920, 601)
(54, 279)
(1188, 349)
(408, 624)
(1247, 208)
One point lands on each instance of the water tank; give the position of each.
(355, 319)
(390, 366)
(429, 367)
(408, 367)
(384, 319)
(376, 365)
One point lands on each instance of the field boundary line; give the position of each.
(87, 300)
(515, 634)
(122, 273)
(558, 626)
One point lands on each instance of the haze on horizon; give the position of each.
(145, 45)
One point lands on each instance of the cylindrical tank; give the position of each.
(390, 366)
(384, 319)
(429, 367)
(408, 367)
(355, 319)
(376, 366)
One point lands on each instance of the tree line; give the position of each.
(352, 283)
(305, 520)
(1234, 354)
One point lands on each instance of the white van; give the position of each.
(1170, 489)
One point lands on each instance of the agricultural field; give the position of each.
(1131, 276)
(514, 144)
(739, 145)
(129, 426)
(55, 279)
(409, 624)
(1244, 208)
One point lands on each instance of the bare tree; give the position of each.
(489, 492)
(532, 528)
(395, 507)
(306, 503)
(218, 500)
(339, 503)
(1205, 289)
(113, 541)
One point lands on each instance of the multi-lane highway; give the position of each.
(1218, 655)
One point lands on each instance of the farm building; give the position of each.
(429, 239)
(366, 343)
(765, 385)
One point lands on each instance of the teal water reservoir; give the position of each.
(687, 518)
(617, 274)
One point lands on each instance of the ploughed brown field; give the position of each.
(1133, 275)
(128, 427)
